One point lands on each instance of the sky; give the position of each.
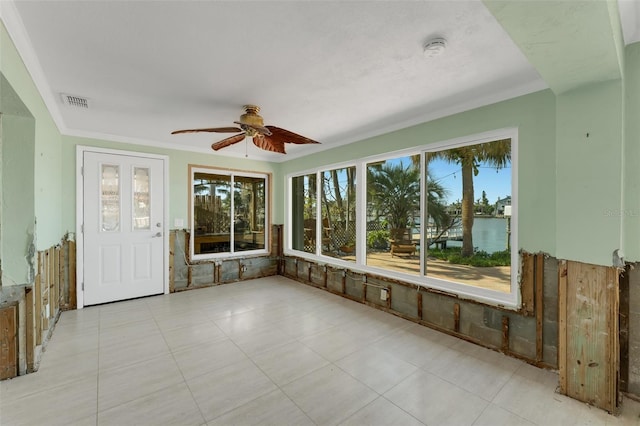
(497, 184)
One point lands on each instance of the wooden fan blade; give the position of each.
(211, 130)
(288, 136)
(228, 141)
(269, 144)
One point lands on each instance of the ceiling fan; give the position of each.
(269, 138)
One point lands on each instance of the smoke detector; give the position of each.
(74, 101)
(434, 47)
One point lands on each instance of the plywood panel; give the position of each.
(8, 342)
(527, 283)
(589, 361)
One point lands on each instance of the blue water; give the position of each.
(489, 234)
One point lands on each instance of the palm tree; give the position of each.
(495, 154)
(395, 190)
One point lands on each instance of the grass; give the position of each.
(479, 258)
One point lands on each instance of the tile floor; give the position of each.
(276, 352)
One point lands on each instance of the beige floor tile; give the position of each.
(182, 338)
(119, 385)
(228, 388)
(334, 344)
(198, 360)
(302, 325)
(256, 341)
(435, 401)
(173, 405)
(274, 408)
(55, 406)
(494, 415)
(377, 369)
(244, 322)
(329, 395)
(132, 352)
(381, 412)
(288, 362)
(415, 349)
(127, 333)
(188, 318)
(483, 378)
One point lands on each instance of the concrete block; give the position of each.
(202, 274)
(404, 300)
(438, 309)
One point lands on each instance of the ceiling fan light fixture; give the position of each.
(434, 47)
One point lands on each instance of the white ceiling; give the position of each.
(332, 71)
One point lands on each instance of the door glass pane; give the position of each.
(211, 213)
(303, 204)
(110, 198)
(338, 210)
(141, 198)
(393, 214)
(249, 213)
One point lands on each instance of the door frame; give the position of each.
(80, 150)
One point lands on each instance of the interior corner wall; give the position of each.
(535, 117)
(45, 155)
(631, 210)
(18, 208)
(588, 176)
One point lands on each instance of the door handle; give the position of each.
(158, 234)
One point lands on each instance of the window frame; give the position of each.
(511, 299)
(232, 173)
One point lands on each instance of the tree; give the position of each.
(495, 154)
(395, 190)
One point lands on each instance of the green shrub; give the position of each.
(378, 240)
(480, 258)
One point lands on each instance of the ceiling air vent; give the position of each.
(75, 101)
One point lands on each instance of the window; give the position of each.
(443, 216)
(228, 213)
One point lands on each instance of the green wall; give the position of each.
(631, 209)
(46, 158)
(588, 184)
(533, 115)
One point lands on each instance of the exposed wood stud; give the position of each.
(419, 297)
(364, 292)
(30, 334)
(538, 273)
(189, 275)
(344, 282)
(456, 317)
(73, 303)
(527, 283)
(325, 275)
(389, 297)
(8, 342)
(624, 330)
(562, 325)
(505, 334)
(172, 260)
(38, 301)
(309, 272)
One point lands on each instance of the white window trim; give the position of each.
(511, 300)
(232, 174)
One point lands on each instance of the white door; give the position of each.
(123, 227)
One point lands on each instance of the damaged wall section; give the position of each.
(185, 274)
(530, 334)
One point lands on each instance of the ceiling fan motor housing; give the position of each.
(252, 118)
